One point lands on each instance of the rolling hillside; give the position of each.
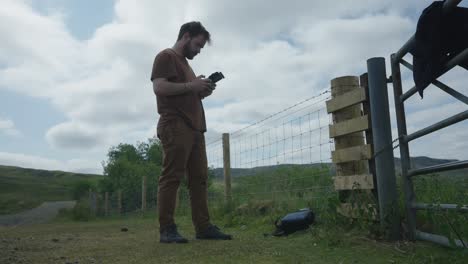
(22, 189)
(417, 162)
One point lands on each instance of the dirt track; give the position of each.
(41, 214)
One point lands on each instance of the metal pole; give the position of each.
(384, 161)
(404, 149)
(444, 241)
(441, 207)
(440, 85)
(439, 125)
(455, 165)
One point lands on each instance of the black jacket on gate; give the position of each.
(438, 39)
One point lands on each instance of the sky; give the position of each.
(75, 75)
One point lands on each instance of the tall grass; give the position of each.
(268, 195)
(438, 189)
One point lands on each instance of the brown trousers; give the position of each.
(183, 152)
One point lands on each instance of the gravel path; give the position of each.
(41, 214)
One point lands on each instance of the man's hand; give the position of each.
(201, 86)
(207, 93)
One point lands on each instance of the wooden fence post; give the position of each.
(351, 154)
(92, 201)
(364, 82)
(119, 201)
(143, 194)
(106, 203)
(227, 167)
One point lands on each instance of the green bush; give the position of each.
(82, 212)
(81, 189)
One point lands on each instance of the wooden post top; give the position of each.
(345, 81)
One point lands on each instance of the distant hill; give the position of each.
(421, 162)
(238, 172)
(22, 188)
(417, 162)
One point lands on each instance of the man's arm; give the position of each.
(163, 87)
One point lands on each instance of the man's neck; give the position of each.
(177, 48)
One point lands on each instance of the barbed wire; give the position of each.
(282, 111)
(234, 133)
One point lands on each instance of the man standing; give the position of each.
(181, 129)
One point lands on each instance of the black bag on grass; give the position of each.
(293, 222)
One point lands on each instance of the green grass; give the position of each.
(22, 189)
(102, 241)
(256, 203)
(438, 189)
(274, 193)
(290, 188)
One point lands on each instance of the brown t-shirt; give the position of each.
(188, 106)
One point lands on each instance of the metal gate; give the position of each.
(407, 172)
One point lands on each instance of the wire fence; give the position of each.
(283, 158)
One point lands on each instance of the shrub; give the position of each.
(82, 212)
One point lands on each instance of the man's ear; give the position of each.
(186, 37)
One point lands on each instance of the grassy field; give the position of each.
(22, 189)
(256, 203)
(102, 241)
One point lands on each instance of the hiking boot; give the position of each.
(213, 232)
(170, 235)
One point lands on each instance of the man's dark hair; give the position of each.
(194, 29)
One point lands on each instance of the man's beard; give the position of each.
(188, 52)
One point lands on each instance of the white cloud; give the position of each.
(74, 135)
(7, 127)
(39, 51)
(273, 55)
